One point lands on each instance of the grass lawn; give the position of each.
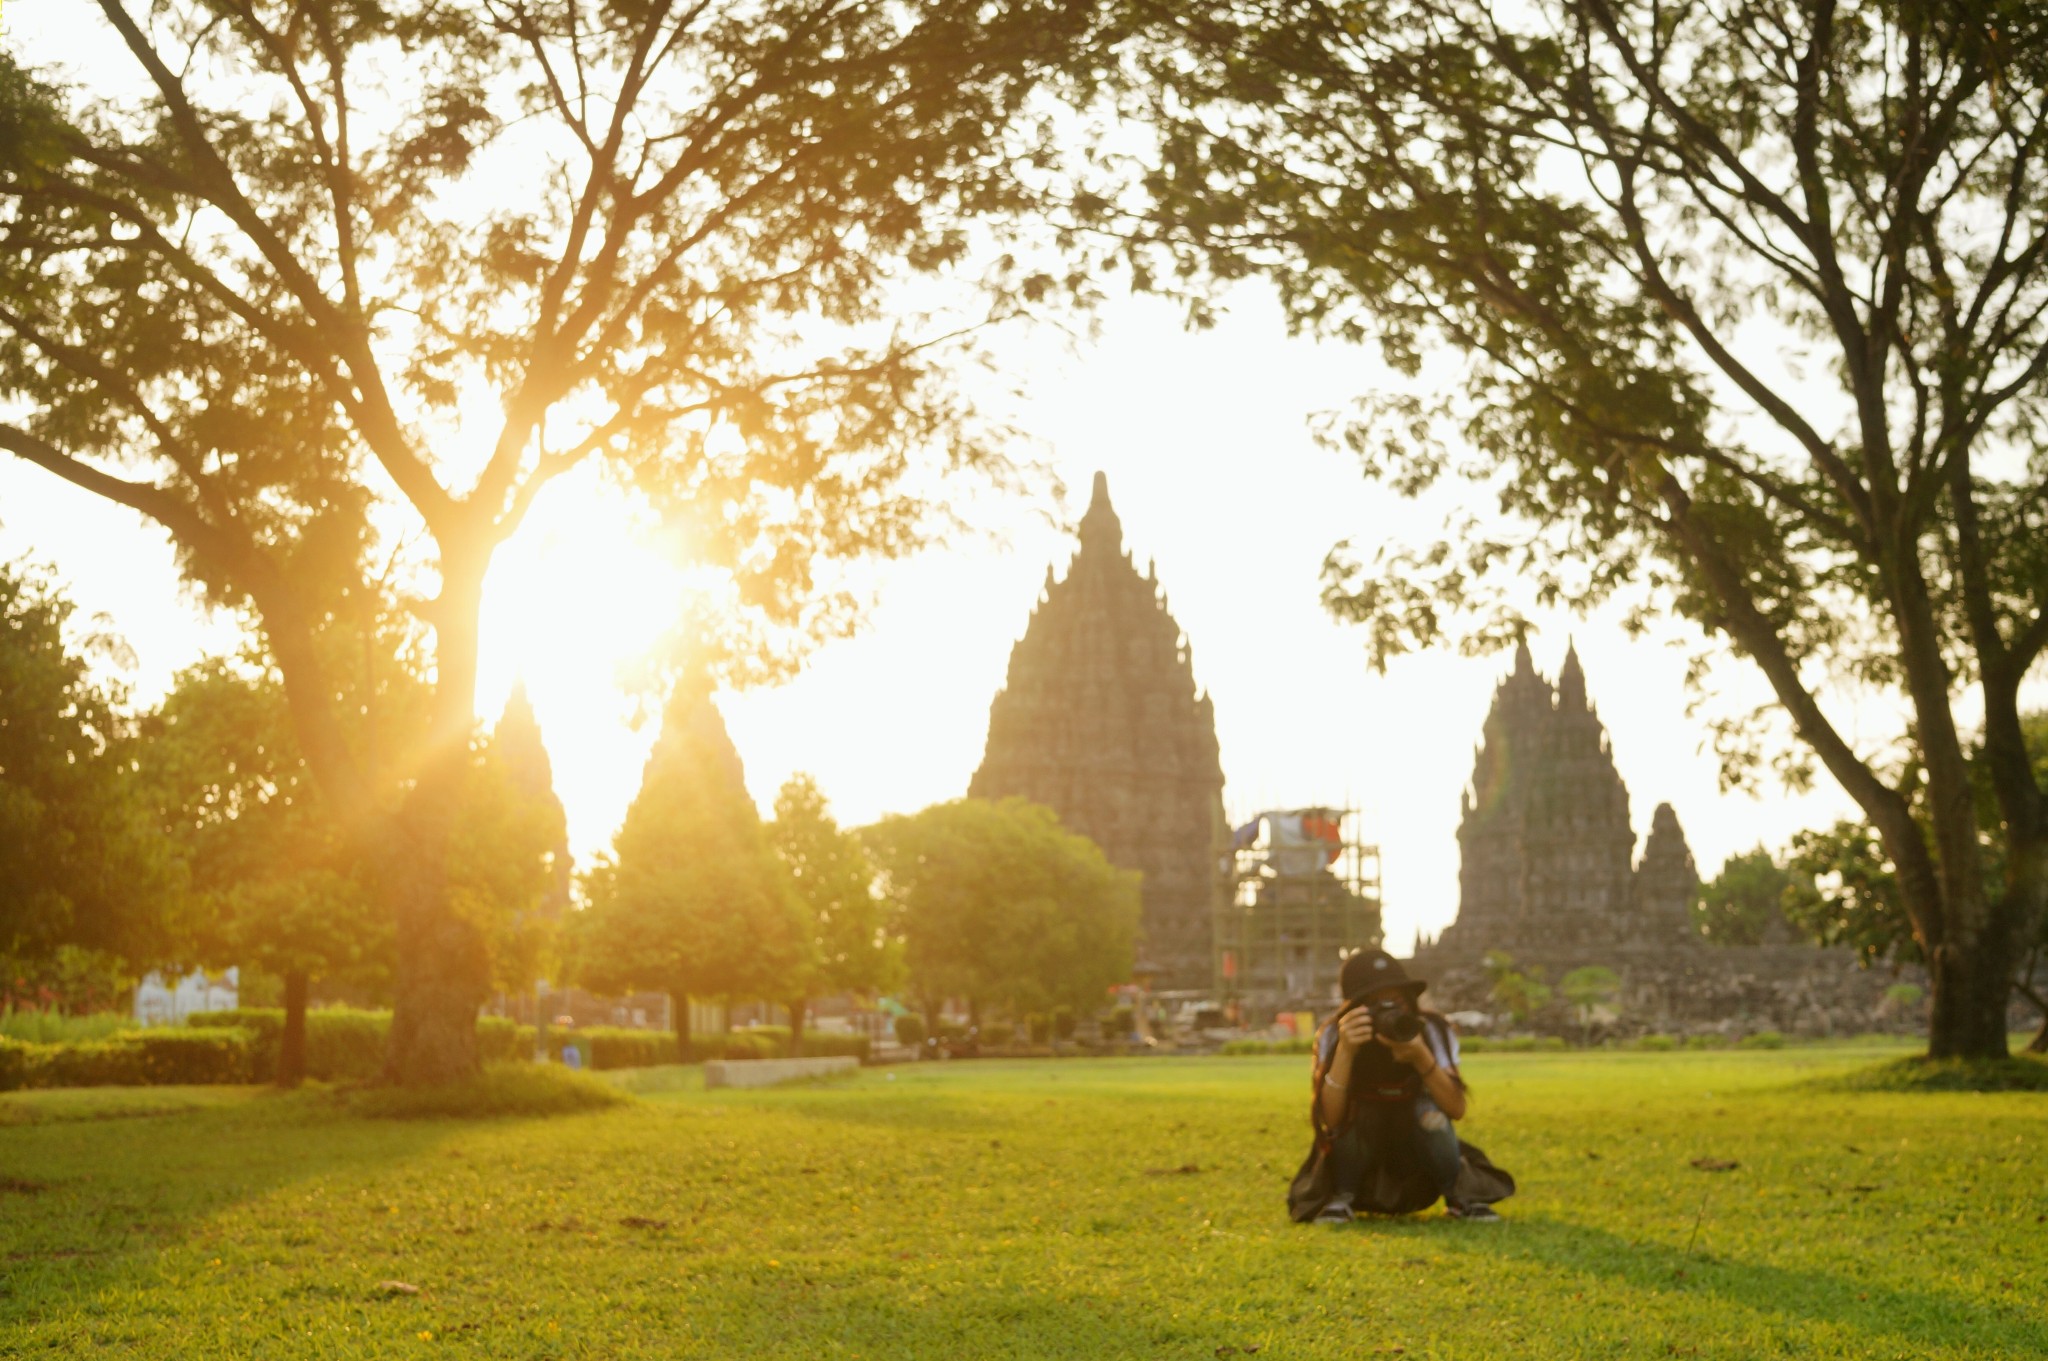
(1109, 1208)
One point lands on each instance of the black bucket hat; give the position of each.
(1370, 970)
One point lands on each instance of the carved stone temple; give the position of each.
(1100, 720)
(1548, 875)
(1547, 855)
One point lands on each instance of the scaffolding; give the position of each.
(1303, 888)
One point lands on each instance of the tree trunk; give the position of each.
(679, 1009)
(291, 1041)
(443, 960)
(797, 1009)
(1966, 1015)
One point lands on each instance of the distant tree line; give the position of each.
(193, 835)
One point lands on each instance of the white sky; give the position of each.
(1205, 441)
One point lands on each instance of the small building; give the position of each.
(167, 1002)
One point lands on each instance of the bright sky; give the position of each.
(1205, 440)
(1212, 469)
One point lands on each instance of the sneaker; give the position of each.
(1473, 1214)
(1335, 1213)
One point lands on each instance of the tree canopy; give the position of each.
(1000, 904)
(852, 946)
(81, 864)
(692, 900)
(1751, 304)
(331, 291)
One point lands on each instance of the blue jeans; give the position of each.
(1398, 1136)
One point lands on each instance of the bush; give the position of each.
(500, 1039)
(1520, 1044)
(504, 1089)
(1658, 1043)
(1763, 1039)
(1063, 1022)
(140, 1058)
(342, 1044)
(832, 1044)
(35, 1026)
(1708, 1041)
(1039, 1027)
(998, 1033)
(910, 1030)
(1474, 1044)
(605, 1047)
(1118, 1023)
(1553, 1042)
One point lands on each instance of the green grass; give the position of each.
(1038, 1209)
(503, 1089)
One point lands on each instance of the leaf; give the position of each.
(1715, 1164)
(397, 1288)
(1184, 1170)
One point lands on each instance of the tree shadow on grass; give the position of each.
(95, 1199)
(1919, 1317)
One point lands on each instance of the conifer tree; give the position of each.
(692, 901)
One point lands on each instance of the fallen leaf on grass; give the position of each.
(642, 1222)
(1865, 1188)
(1184, 1170)
(397, 1288)
(20, 1186)
(1716, 1164)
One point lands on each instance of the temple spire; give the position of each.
(1100, 526)
(1571, 680)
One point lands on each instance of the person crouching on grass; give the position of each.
(1386, 1092)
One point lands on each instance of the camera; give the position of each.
(1392, 1018)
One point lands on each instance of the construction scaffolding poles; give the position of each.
(1303, 889)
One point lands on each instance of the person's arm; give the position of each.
(1354, 1029)
(1437, 1080)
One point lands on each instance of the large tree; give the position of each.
(692, 900)
(1000, 904)
(298, 281)
(81, 865)
(852, 946)
(272, 879)
(1751, 300)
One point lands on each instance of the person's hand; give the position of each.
(1354, 1030)
(1414, 1052)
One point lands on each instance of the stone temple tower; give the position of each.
(1101, 721)
(1547, 868)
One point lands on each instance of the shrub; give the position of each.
(36, 1026)
(998, 1033)
(504, 1089)
(1707, 1041)
(500, 1039)
(171, 1057)
(1118, 1023)
(1039, 1027)
(910, 1030)
(139, 1058)
(1520, 1043)
(1063, 1022)
(1659, 1043)
(1474, 1044)
(832, 1044)
(1763, 1039)
(1553, 1042)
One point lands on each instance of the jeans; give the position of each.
(1398, 1136)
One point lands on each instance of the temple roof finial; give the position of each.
(1571, 679)
(1100, 524)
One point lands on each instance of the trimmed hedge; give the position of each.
(141, 1058)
